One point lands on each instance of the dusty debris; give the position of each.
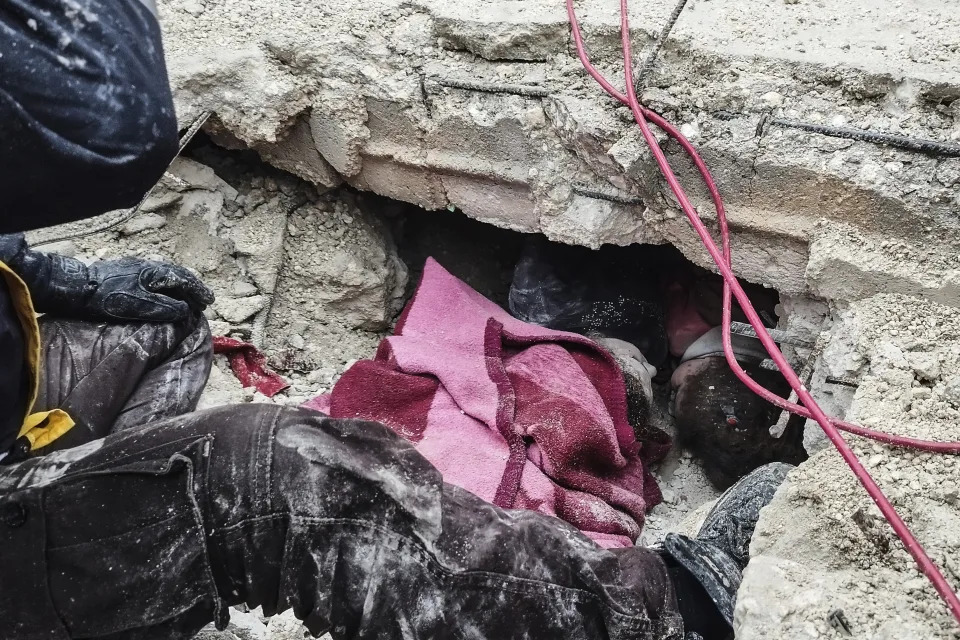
(252, 625)
(340, 287)
(250, 233)
(484, 109)
(821, 544)
(318, 331)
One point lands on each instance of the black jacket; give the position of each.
(87, 123)
(87, 126)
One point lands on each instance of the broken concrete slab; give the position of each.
(297, 152)
(848, 264)
(410, 101)
(822, 545)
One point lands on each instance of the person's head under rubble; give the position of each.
(128, 515)
(670, 311)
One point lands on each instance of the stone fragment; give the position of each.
(193, 7)
(204, 205)
(339, 271)
(161, 198)
(772, 99)
(65, 248)
(243, 626)
(243, 290)
(889, 355)
(926, 365)
(338, 126)
(690, 130)
(143, 222)
(951, 494)
(238, 310)
(195, 175)
(607, 222)
(196, 247)
(661, 100)
(297, 153)
(285, 626)
(921, 393)
(952, 391)
(258, 236)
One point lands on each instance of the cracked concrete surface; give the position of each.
(483, 107)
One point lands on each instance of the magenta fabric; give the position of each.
(250, 366)
(684, 323)
(522, 416)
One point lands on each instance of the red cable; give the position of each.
(731, 285)
(753, 385)
(894, 440)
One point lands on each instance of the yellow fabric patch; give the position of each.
(39, 428)
(43, 428)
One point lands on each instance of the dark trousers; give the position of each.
(153, 529)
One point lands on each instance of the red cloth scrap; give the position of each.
(250, 366)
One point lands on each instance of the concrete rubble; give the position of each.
(310, 277)
(822, 545)
(482, 106)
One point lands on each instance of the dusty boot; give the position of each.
(718, 555)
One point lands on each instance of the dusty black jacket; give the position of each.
(87, 125)
(86, 117)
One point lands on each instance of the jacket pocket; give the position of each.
(126, 547)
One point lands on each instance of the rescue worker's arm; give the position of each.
(87, 123)
(114, 290)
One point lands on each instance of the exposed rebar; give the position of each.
(525, 90)
(657, 45)
(778, 335)
(586, 192)
(932, 147)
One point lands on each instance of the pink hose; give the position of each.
(673, 132)
(732, 287)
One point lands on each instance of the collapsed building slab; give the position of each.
(822, 546)
(483, 107)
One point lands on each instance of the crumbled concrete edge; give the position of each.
(482, 107)
(311, 277)
(822, 545)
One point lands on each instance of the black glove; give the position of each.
(118, 290)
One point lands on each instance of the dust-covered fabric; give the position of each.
(113, 377)
(87, 121)
(522, 416)
(152, 532)
(159, 519)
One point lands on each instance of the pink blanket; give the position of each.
(522, 416)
